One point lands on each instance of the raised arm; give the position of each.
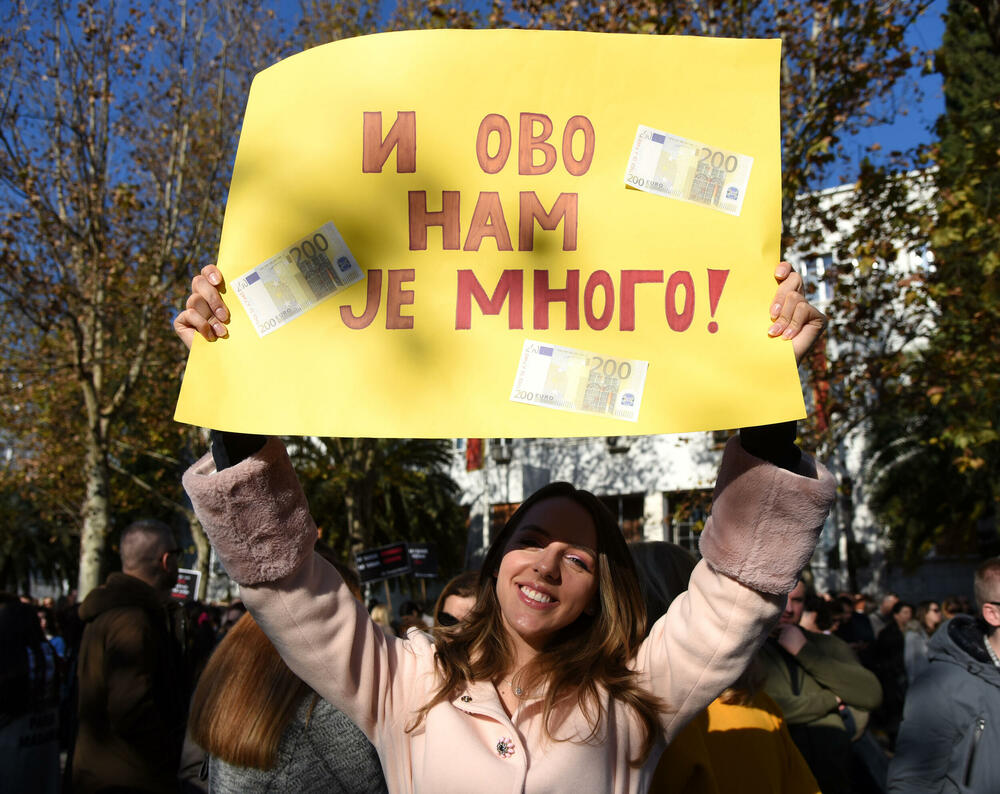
(258, 521)
(249, 500)
(769, 506)
(764, 525)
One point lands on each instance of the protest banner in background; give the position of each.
(423, 558)
(186, 588)
(385, 562)
(503, 233)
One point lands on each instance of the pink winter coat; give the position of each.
(762, 531)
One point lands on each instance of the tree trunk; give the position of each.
(96, 516)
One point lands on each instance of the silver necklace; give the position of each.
(509, 683)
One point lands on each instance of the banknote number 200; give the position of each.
(610, 367)
(718, 159)
(308, 248)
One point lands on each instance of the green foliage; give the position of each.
(935, 429)
(366, 492)
(31, 546)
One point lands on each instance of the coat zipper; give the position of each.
(976, 736)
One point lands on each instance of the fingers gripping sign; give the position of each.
(205, 311)
(794, 318)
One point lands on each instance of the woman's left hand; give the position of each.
(793, 316)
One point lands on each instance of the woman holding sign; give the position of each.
(547, 685)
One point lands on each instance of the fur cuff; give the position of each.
(254, 513)
(765, 520)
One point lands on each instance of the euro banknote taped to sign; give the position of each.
(502, 233)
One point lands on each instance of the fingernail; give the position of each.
(220, 330)
(213, 277)
(775, 310)
(222, 314)
(774, 330)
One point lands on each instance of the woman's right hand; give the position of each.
(205, 312)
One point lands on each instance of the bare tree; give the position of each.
(117, 131)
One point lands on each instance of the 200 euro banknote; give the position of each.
(579, 381)
(675, 167)
(294, 280)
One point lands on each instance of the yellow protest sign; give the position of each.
(455, 205)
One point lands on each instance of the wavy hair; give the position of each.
(591, 653)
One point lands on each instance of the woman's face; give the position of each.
(548, 573)
(933, 617)
(458, 606)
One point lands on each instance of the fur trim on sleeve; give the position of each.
(255, 514)
(765, 520)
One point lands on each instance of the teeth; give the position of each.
(534, 595)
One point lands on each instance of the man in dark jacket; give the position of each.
(950, 737)
(133, 681)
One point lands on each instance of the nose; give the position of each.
(547, 563)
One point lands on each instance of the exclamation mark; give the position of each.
(716, 281)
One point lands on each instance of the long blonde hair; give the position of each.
(593, 652)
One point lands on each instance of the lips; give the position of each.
(535, 598)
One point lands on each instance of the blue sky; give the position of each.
(915, 105)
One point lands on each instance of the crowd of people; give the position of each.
(571, 661)
(162, 695)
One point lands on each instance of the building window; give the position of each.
(628, 509)
(818, 275)
(687, 513)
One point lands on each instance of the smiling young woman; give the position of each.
(547, 684)
(565, 545)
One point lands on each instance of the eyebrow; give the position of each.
(542, 531)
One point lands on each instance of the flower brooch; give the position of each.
(505, 747)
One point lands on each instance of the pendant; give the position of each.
(518, 691)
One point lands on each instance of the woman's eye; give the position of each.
(579, 562)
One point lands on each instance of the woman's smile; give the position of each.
(535, 597)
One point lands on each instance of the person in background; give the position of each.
(29, 697)
(749, 743)
(817, 616)
(951, 606)
(918, 637)
(882, 616)
(265, 730)
(949, 740)
(739, 744)
(890, 667)
(456, 599)
(411, 616)
(133, 674)
(855, 629)
(382, 618)
(822, 689)
(664, 570)
(50, 628)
